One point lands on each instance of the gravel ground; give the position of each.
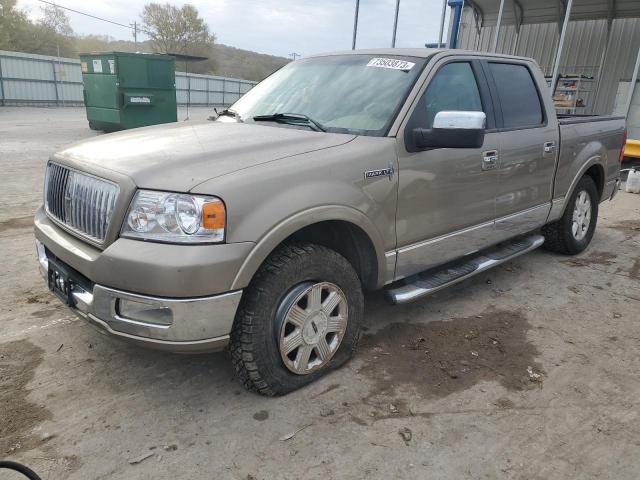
(529, 371)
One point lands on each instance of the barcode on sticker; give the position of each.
(392, 63)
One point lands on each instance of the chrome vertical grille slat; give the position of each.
(81, 202)
(83, 207)
(64, 176)
(54, 182)
(94, 208)
(57, 175)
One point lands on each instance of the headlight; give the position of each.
(175, 218)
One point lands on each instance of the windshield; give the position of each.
(356, 94)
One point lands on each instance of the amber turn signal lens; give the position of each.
(213, 215)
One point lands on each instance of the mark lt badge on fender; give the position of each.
(381, 172)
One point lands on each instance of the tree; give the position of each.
(13, 23)
(53, 33)
(55, 19)
(179, 30)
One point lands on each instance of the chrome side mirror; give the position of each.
(460, 120)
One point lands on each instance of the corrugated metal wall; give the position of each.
(584, 46)
(39, 79)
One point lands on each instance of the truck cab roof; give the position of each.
(418, 52)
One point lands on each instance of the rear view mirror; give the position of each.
(451, 130)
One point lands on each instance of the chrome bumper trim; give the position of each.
(195, 324)
(43, 261)
(198, 324)
(215, 344)
(193, 319)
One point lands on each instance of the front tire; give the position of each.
(298, 319)
(572, 234)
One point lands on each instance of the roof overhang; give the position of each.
(551, 11)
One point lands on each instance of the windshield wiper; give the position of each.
(292, 119)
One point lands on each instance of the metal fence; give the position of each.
(584, 51)
(28, 79)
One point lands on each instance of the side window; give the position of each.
(454, 87)
(519, 97)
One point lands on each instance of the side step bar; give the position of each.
(435, 279)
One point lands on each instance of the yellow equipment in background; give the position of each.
(632, 148)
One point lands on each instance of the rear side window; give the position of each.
(454, 87)
(519, 97)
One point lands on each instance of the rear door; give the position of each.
(528, 146)
(446, 196)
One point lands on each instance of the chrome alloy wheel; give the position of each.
(313, 320)
(581, 215)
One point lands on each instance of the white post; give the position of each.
(395, 25)
(444, 13)
(556, 65)
(355, 25)
(634, 80)
(495, 40)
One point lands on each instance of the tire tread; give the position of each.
(245, 327)
(557, 235)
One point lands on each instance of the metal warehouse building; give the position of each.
(590, 47)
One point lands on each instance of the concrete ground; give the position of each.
(529, 371)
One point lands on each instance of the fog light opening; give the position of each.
(144, 312)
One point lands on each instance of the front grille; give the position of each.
(81, 202)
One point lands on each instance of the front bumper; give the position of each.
(183, 325)
(148, 268)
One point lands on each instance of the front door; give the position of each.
(446, 196)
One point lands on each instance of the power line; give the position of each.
(89, 15)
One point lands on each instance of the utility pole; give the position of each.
(293, 55)
(395, 25)
(135, 33)
(355, 25)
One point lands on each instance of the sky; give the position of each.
(276, 27)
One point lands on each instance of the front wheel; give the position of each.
(573, 232)
(298, 319)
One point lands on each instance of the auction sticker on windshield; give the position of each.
(392, 63)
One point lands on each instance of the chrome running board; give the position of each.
(435, 279)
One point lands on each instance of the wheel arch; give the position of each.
(596, 172)
(593, 168)
(343, 229)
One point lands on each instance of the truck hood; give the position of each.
(179, 156)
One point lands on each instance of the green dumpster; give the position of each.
(128, 90)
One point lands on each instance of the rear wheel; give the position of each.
(573, 232)
(299, 319)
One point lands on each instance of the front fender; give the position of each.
(268, 203)
(302, 219)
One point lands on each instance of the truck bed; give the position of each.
(584, 138)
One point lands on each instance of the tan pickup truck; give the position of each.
(406, 170)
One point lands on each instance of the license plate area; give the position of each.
(61, 282)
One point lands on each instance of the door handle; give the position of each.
(549, 147)
(489, 160)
